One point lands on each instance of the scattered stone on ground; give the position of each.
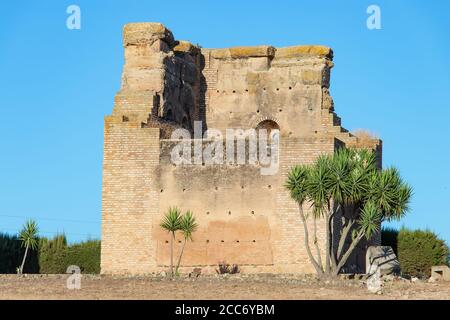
(374, 280)
(234, 287)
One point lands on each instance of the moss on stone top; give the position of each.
(269, 51)
(150, 27)
(146, 32)
(186, 46)
(243, 52)
(310, 50)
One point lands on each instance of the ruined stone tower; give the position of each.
(244, 217)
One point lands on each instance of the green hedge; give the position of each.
(86, 255)
(417, 250)
(11, 255)
(53, 255)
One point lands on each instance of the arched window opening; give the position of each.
(270, 130)
(268, 125)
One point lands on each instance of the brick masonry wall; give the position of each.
(244, 217)
(129, 208)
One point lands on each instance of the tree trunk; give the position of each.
(319, 256)
(179, 257)
(308, 249)
(171, 253)
(343, 238)
(332, 235)
(327, 246)
(347, 254)
(23, 261)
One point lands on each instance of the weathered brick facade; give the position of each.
(244, 217)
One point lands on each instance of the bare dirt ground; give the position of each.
(231, 287)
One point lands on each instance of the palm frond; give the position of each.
(28, 235)
(370, 219)
(188, 225)
(297, 183)
(171, 220)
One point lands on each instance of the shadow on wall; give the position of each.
(389, 237)
(202, 94)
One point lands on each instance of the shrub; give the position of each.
(86, 255)
(52, 254)
(225, 268)
(11, 255)
(52, 257)
(56, 256)
(418, 250)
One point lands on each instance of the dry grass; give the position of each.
(234, 287)
(365, 135)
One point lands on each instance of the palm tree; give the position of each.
(297, 184)
(187, 227)
(171, 223)
(347, 185)
(29, 239)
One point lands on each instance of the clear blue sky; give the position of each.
(56, 85)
